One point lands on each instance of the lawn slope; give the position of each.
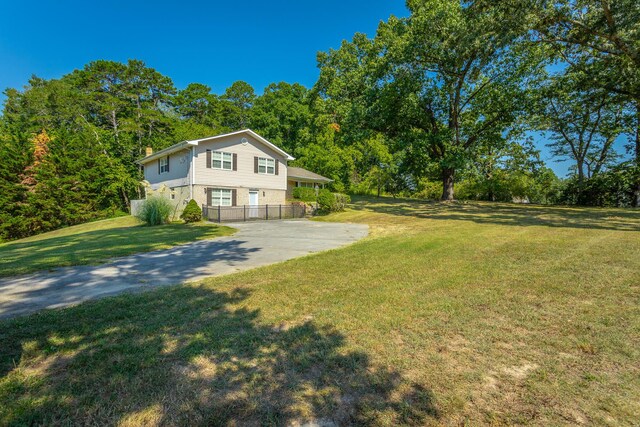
(449, 314)
(96, 242)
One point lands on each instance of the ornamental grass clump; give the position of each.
(155, 210)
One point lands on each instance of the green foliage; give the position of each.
(332, 202)
(444, 94)
(192, 212)
(305, 194)
(439, 84)
(612, 188)
(341, 201)
(429, 190)
(155, 210)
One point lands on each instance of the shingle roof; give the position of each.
(305, 175)
(180, 145)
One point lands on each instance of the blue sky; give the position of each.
(210, 42)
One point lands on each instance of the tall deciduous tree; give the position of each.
(444, 80)
(584, 123)
(600, 38)
(282, 115)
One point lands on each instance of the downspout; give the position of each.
(193, 172)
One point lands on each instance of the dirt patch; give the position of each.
(520, 372)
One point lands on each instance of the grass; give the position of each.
(447, 314)
(96, 242)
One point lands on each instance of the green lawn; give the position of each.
(97, 241)
(449, 314)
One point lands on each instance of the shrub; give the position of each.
(332, 202)
(341, 201)
(191, 212)
(155, 210)
(305, 194)
(326, 200)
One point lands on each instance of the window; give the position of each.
(221, 160)
(306, 184)
(164, 164)
(220, 197)
(267, 166)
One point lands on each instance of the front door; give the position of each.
(253, 204)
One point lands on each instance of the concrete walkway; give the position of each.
(255, 244)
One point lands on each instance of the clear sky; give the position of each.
(210, 42)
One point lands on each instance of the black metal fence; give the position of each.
(250, 213)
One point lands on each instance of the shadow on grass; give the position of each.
(95, 246)
(191, 356)
(506, 214)
(29, 293)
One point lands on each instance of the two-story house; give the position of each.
(233, 169)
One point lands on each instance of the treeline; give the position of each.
(441, 104)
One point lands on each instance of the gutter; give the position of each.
(192, 178)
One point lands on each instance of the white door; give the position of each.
(253, 204)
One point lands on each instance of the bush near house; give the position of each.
(191, 212)
(332, 202)
(305, 194)
(155, 210)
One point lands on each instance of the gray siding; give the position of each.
(179, 169)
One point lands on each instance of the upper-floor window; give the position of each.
(221, 160)
(164, 164)
(267, 166)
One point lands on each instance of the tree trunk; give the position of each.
(447, 183)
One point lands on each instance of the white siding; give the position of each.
(244, 177)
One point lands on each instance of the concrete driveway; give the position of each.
(255, 244)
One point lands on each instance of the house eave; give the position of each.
(274, 147)
(166, 151)
(306, 179)
(194, 142)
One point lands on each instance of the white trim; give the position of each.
(221, 198)
(250, 132)
(266, 165)
(165, 152)
(192, 177)
(164, 167)
(222, 160)
(180, 145)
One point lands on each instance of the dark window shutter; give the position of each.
(234, 197)
(208, 196)
(255, 165)
(209, 159)
(277, 163)
(167, 168)
(235, 161)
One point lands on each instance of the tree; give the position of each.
(443, 81)
(239, 98)
(197, 103)
(584, 123)
(600, 38)
(282, 115)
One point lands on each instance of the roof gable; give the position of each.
(194, 142)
